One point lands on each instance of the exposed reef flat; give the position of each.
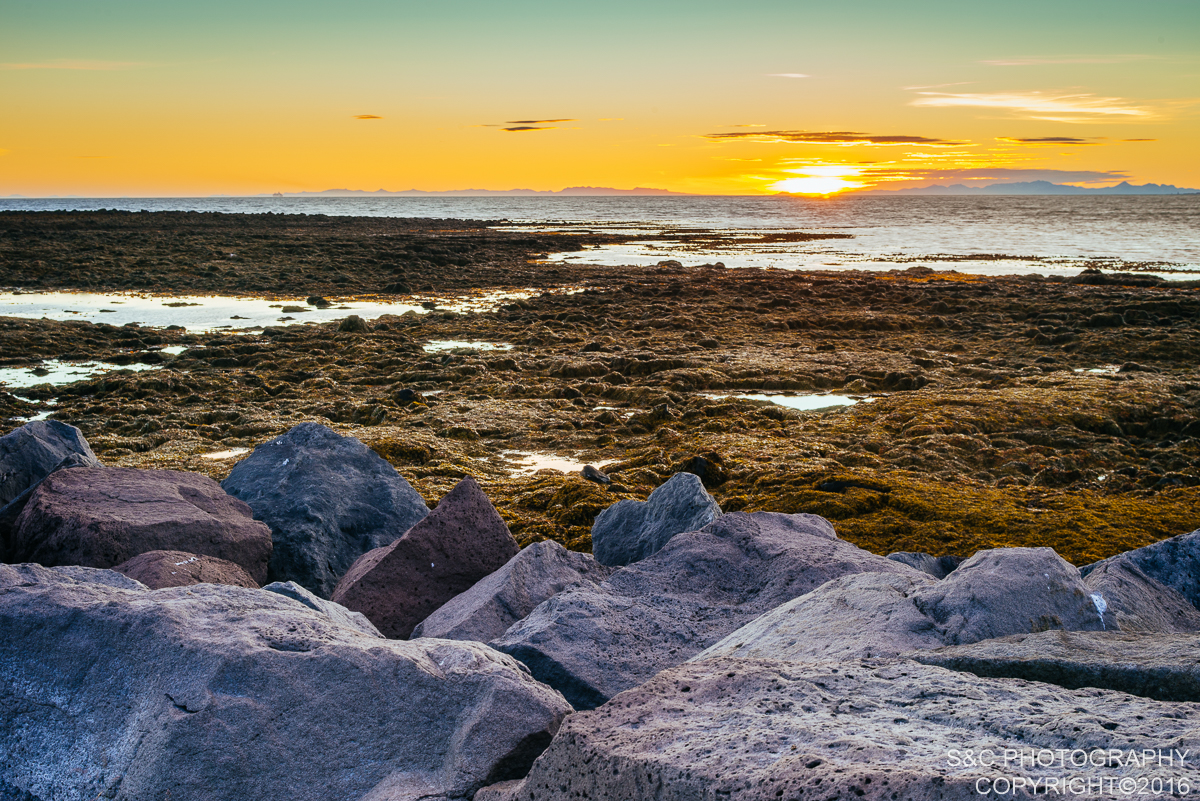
(1003, 411)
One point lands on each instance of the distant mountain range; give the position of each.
(575, 191)
(1038, 188)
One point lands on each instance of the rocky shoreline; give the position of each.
(1037, 426)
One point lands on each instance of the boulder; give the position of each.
(1160, 666)
(335, 612)
(993, 594)
(1135, 602)
(1174, 562)
(158, 569)
(486, 610)
(937, 566)
(12, 510)
(592, 643)
(103, 516)
(31, 452)
(250, 695)
(463, 540)
(630, 530)
(762, 730)
(328, 500)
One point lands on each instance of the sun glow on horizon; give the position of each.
(819, 180)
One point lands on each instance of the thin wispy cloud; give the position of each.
(992, 174)
(73, 64)
(831, 138)
(1048, 140)
(531, 128)
(787, 75)
(1038, 61)
(536, 122)
(367, 117)
(1038, 105)
(1139, 140)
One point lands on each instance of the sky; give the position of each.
(145, 98)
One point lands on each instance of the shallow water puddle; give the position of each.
(526, 463)
(453, 344)
(803, 403)
(229, 454)
(57, 373)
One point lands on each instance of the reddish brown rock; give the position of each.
(158, 569)
(102, 517)
(461, 541)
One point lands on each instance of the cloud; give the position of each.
(367, 117)
(1041, 61)
(73, 64)
(535, 122)
(1048, 140)
(1039, 105)
(787, 75)
(530, 128)
(831, 138)
(1139, 140)
(991, 175)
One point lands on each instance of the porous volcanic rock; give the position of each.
(760, 730)
(159, 569)
(486, 610)
(937, 566)
(995, 593)
(630, 530)
(31, 452)
(1174, 562)
(250, 695)
(592, 643)
(328, 500)
(103, 516)
(335, 612)
(1135, 602)
(1160, 666)
(463, 540)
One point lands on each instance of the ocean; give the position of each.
(996, 235)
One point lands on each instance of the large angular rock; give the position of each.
(630, 530)
(328, 500)
(591, 644)
(486, 610)
(762, 730)
(1174, 562)
(1135, 602)
(31, 452)
(461, 541)
(1161, 666)
(159, 569)
(335, 612)
(213, 691)
(993, 594)
(103, 516)
(12, 510)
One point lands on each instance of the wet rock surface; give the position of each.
(762, 729)
(496, 602)
(159, 569)
(460, 542)
(103, 516)
(328, 499)
(365, 717)
(629, 530)
(1159, 666)
(592, 643)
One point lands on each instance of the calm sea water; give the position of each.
(993, 235)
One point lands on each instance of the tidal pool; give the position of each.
(57, 373)
(453, 344)
(803, 403)
(526, 463)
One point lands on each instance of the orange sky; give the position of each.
(137, 99)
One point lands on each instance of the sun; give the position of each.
(814, 185)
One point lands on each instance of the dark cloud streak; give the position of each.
(832, 138)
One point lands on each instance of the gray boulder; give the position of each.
(31, 452)
(214, 691)
(328, 499)
(335, 612)
(493, 604)
(1174, 562)
(937, 566)
(592, 643)
(1135, 602)
(1160, 666)
(993, 594)
(762, 730)
(630, 530)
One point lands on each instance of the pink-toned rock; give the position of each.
(102, 517)
(158, 569)
(461, 541)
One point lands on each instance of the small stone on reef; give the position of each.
(593, 474)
